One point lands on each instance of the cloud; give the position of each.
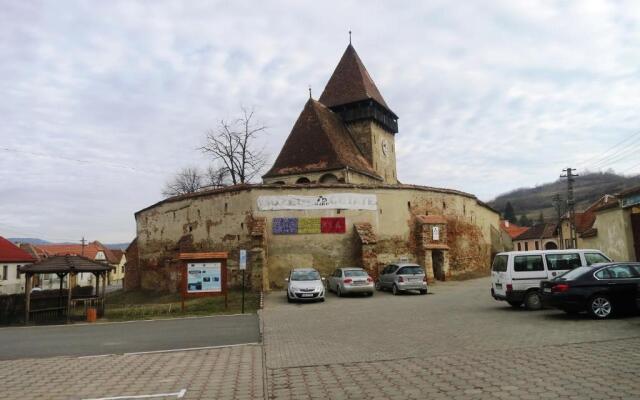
(102, 102)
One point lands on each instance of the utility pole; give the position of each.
(571, 204)
(557, 204)
(82, 241)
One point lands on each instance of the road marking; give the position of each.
(100, 355)
(191, 349)
(177, 395)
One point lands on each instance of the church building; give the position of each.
(331, 199)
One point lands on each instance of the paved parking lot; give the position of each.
(456, 343)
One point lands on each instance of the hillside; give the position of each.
(588, 188)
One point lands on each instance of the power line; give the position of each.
(604, 155)
(627, 151)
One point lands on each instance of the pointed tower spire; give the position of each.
(350, 82)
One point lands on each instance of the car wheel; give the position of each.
(423, 291)
(322, 300)
(395, 290)
(338, 291)
(378, 286)
(289, 299)
(515, 304)
(370, 294)
(600, 307)
(532, 301)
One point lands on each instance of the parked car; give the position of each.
(305, 284)
(401, 277)
(600, 290)
(516, 275)
(350, 280)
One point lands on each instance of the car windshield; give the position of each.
(573, 274)
(354, 272)
(410, 270)
(305, 276)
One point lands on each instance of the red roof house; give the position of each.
(10, 253)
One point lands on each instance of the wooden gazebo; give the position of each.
(69, 266)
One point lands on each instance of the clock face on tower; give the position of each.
(385, 148)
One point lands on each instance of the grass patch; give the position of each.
(134, 305)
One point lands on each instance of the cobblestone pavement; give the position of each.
(455, 343)
(224, 373)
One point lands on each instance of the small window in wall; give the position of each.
(444, 205)
(5, 271)
(328, 178)
(302, 181)
(225, 207)
(409, 205)
(519, 247)
(537, 243)
(18, 271)
(526, 246)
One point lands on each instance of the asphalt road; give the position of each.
(127, 337)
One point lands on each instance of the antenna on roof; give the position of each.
(349, 36)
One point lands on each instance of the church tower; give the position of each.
(352, 94)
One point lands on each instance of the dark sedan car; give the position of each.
(599, 290)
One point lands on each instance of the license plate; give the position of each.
(307, 294)
(415, 279)
(498, 285)
(547, 290)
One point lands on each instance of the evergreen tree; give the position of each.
(509, 214)
(541, 218)
(524, 220)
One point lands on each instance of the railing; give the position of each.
(80, 305)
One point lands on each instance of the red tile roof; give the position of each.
(319, 141)
(512, 230)
(9, 252)
(89, 251)
(431, 219)
(540, 231)
(350, 82)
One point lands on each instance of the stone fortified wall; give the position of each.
(229, 220)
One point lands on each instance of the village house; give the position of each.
(542, 236)
(94, 251)
(11, 258)
(611, 224)
(332, 198)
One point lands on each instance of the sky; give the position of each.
(102, 102)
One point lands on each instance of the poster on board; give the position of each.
(204, 277)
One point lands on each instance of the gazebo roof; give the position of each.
(65, 264)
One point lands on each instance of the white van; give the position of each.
(516, 275)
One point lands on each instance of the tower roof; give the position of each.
(319, 141)
(350, 83)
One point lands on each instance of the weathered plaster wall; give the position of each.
(221, 222)
(369, 137)
(614, 237)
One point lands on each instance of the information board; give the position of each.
(204, 277)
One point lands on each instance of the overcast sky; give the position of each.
(102, 101)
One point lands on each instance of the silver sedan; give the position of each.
(350, 280)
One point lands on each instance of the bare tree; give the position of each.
(187, 180)
(233, 144)
(216, 177)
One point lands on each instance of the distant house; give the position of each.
(612, 224)
(512, 229)
(12, 257)
(94, 250)
(116, 276)
(584, 223)
(539, 237)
